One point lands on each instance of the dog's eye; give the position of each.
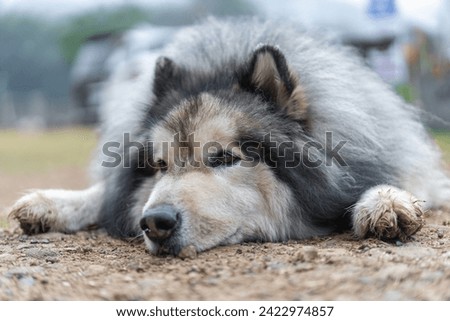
(161, 165)
(224, 159)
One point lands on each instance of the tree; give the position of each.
(100, 21)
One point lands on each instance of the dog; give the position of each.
(244, 130)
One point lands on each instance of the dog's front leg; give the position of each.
(388, 213)
(58, 210)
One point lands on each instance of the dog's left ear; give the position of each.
(268, 75)
(167, 76)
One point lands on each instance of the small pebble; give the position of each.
(27, 281)
(298, 257)
(363, 248)
(24, 246)
(128, 278)
(135, 266)
(40, 253)
(307, 254)
(39, 241)
(95, 269)
(440, 234)
(52, 260)
(310, 253)
(188, 252)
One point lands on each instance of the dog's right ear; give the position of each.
(167, 76)
(268, 75)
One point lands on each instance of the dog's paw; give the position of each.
(387, 213)
(35, 213)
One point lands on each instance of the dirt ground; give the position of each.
(93, 266)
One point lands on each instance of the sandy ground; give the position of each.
(93, 266)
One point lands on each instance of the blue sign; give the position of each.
(382, 8)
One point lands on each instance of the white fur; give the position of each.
(59, 210)
(387, 211)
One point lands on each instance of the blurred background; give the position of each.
(55, 55)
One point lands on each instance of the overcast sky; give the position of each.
(423, 12)
(62, 7)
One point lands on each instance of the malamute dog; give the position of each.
(248, 130)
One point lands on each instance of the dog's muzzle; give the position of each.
(160, 222)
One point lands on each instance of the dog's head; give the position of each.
(216, 173)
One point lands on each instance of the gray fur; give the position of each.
(386, 142)
(346, 97)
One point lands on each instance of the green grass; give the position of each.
(407, 91)
(442, 138)
(27, 152)
(4, 223)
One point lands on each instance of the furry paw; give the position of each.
(35, 213)
(387, 213)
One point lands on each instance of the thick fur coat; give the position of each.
(307, 141)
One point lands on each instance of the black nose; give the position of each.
(160, 222)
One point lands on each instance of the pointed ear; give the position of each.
(166, 77)
(268, 74)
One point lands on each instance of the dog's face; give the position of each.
(211, 186)
(213, 191)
